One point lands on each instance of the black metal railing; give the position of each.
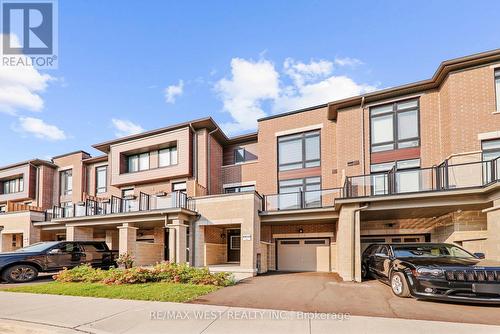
(114, 205)
(302, 200)
(438, 178)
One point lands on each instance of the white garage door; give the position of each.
(304, 254)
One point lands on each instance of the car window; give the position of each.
(68, 247)
(383, 250)
(431, 250)
(94, 247)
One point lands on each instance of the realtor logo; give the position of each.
(29, 33)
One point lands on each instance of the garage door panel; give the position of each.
(304, 255)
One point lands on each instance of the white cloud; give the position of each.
(172, 91)
(125, 128)
(251, 83)
(347, 61)
(40, 129)
(302, 85)
(20, 87)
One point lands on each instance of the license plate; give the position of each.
(486, 288)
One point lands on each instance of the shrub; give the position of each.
(126, 260)
(161, 272)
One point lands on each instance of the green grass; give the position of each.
(165, 292)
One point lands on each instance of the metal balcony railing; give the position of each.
(302, 200)
(143, 202)
(438, 178)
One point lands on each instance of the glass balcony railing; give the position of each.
(114, 205)
(439, 178)
(302, 200)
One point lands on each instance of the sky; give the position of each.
(130, 66)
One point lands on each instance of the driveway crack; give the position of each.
(217, 318)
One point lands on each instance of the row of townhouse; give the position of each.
(307, 192)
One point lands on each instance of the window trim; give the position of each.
(395, 131)
(69, 191)
(97, 179)
(304, 184)
(302, 137)
(138, 155)
(170, 148)
(490, 150)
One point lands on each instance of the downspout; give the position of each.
(356, 225)
(363, 133)
(209, 139)
(195, 152)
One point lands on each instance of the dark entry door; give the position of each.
(233, 245)
(166, 254)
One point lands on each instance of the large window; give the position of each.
(491, 149)
(395, 126)
(407, 177)
(299, 151)
(66, 179)
(13, 186)
(100, 179)
(239, 155)
(294, 191)
(138, 162)
(497, 87)
(167, 156)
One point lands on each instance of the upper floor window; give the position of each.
(395, 126)
(138, 162)
(100, 179)
(3, 209)
(66, 178)
(179, 186)
(299, 151)
(167, 156)
(238, 189)
(239, 155)
(491, 149)
(497, 87)
(13, 186)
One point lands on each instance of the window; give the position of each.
(407, 176)
(238, 189)
(179, 186)
(138, 162)
(299, 151)
(13, 186)
(497, 87)
(66, 178)
(2, 209)
(129, 202)
(100, 179)
(239, 155)
(291, 197)
(395, 126)
(67, 208)
(491, 149)
(167, 156)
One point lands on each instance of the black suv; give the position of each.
(23, 265)
(433, 271)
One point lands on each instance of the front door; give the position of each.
(233, 245)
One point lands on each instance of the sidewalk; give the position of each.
(30, 313)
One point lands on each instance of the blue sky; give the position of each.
(125, 66)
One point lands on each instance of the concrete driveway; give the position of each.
(325, 292)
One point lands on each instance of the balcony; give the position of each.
(117, 205)
(444, 177)
(313, 199)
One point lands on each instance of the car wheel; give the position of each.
(364, 272)
(399, 285)
(20, 273)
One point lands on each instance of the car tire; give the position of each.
(399, 286)
(20, 273)
(364, 272)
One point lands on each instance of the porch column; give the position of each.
(348, 243)
(112, 239)
(179, 230)
(493, 226)
(74, 233)
(198, 244)
(127, 235)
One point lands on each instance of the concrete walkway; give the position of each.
(31, 313)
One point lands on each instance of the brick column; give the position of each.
(127, 235)
(178, 232)
(198, 244)
(348, 243)
(493, 226)
(112, 239)
(74, 233)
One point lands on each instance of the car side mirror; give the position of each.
(381, 255)
(54, 251)
(479, 255)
